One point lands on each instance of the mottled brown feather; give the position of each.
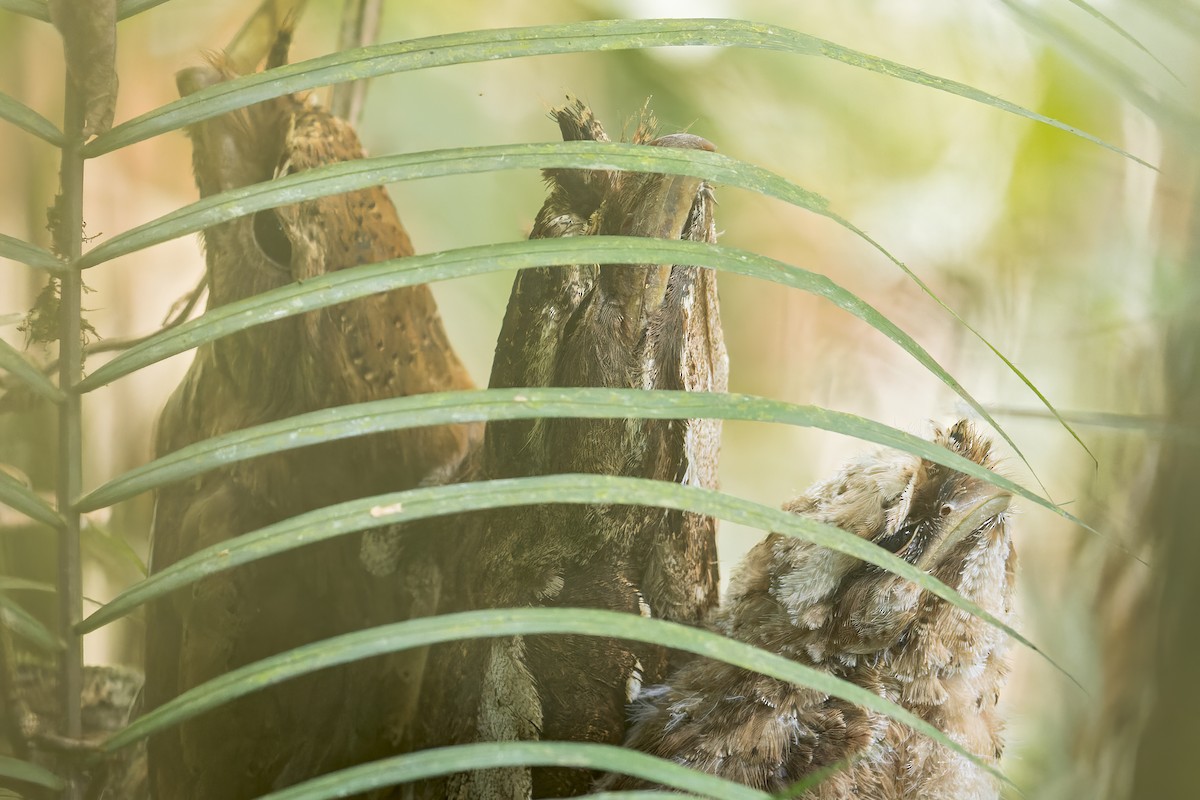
(617, 325)
(385, 345)
(864, 625)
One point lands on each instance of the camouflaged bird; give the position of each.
(613, 325)
(857, 622)
(31, 715)
(382, 346)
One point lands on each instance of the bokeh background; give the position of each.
(1071, 259)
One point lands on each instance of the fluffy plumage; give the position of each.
(865, 625)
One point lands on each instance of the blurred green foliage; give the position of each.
(1064, 255)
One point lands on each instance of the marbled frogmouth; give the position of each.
(612, 325)
(865, 625)
(382, 346)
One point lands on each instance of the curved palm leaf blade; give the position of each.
(1156, 104)
(1112, 25)
(348, 176)
(816, 778)
(15, 364)
(29, 254)
(358, 174)
(29, 120)
(491, 45)
(17, 495)
(489, 755)
(111, 546)
(9, 583)
(29, 773)
(1184, 16)
(489, 405)
(636, 794)
(1151, 425)
(422, 503)
(29, 8)
(490, 623)
(355, 282)
(129, 8)
(22, 623)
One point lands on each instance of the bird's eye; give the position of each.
(895, 541)
(271, 238)
(945, 510)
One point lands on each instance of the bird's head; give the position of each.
(625, 325)
(940, 509)
(620, 203)
(943, 522)
(274, 138)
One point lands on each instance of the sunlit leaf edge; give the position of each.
(9, 583)
(492, 755)
(357, 174)
(1150, 425)
(636, 794)
(1158, 105)
(355, 282)
(492, 623)
(487, 405)
(17, 495)
(415, 504)
(24, 624)
(129, 8)
(19, 770)
(490, 45)
(18, 366)
(36, 9)
(361, 173)
(28, 120)
(29, 254)
(1114, 26)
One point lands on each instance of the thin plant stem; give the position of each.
(179, 313)
(68, 232)
(360, 27)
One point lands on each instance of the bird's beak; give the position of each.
(221, 163)
(215, 148)
(961, 517)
